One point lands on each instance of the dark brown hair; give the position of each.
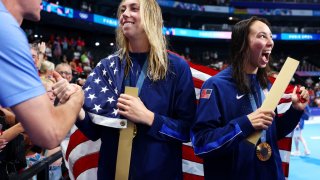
(240, 55)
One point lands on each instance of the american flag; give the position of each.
(81, 155)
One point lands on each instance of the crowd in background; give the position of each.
(73, 51)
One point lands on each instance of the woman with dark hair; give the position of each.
(228, 111)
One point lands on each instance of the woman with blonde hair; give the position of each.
(164, 110)
(46, 70)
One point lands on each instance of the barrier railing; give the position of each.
(39, 169)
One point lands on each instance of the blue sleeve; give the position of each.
(285, 124)
(176, 126)
(88, 128)
(19, 78)
(212, 134)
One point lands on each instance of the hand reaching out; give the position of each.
(63, 89)
(299, 103)
(42, 47)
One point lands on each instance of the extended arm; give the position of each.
(45, 124)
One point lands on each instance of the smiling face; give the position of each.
(130, 20)
(260, 46)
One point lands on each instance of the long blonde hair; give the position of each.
(151, 19)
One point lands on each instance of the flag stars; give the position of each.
(110, 81)
(116, 90)
(97, 107)
(104, 72)
(92, 74)
(112, 64)
(115, 112)
(97, 80)
(99, 64)
(115, 71)
(104, 89)
(92, 96)
(110, 100)
(87, 88)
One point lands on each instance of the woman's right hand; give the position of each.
(261, 119)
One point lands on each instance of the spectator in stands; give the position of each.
(22, 89)
(220, 132)
(297, 136)
(80, 44)
(38, 52)
(65, 71)
(48, 51)
(46, 70)
(57, 50)
(164, 110)
(12, 154)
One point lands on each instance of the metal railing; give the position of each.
(39, 169)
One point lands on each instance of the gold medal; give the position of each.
(264, 151)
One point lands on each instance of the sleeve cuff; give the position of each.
(156, 125)
(83, 123)
(245, 125)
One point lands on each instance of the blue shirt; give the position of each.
(156, 150)
(19, 78)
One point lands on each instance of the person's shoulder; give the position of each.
(175, 58)
(224, 74)
(8, 23)
(110, 61)
(223, 77)
(112, 57)
(177, 61)
(11, 35)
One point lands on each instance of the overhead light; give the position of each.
(230, 18)
(97, 44)
(112, 44)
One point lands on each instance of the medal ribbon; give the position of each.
(263, 150)
(255, 105)
(126, 135)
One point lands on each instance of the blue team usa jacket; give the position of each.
(221, 128)
(156, 150)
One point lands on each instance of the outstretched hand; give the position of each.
(300, 98)
(42, 47)
(63, 89)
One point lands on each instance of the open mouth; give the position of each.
(266, 55)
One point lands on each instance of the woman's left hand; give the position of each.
(300, 99)
(133, 109)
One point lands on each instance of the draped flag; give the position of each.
(81, 155)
